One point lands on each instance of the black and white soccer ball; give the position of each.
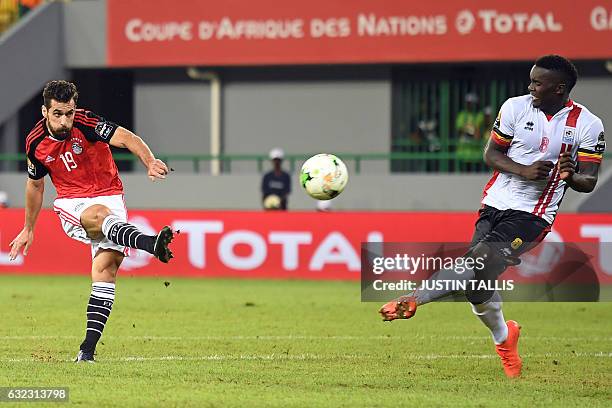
(323, 176)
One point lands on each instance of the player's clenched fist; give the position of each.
(567, 166)
(538, 170)
(157, 169)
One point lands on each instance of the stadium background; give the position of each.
(352, 81)
(360, 96)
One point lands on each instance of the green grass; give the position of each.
(218, 343)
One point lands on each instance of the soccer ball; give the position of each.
(323, 176)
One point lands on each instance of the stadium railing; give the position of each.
(354, 160)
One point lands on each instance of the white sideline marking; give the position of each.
(304, 357)
(301, 337)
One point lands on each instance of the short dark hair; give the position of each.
(560, 64)
(61, 91)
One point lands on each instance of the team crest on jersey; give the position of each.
(77, 148)
(103, 130)
(601, 143)
(568, 136)
(516, 243)
(544, 144)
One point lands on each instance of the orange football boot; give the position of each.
(508, 351)
(401, 308)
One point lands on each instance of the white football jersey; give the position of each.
(531, 135)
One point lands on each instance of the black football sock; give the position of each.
(125, 234)
(98, 309)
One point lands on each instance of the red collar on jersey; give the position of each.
(568, 104)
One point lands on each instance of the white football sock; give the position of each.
(490, 313)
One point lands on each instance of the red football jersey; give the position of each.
(79, 166)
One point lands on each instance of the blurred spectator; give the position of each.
(427, 131)
(11, 10)
(9, 13)
(468, 126)
(4, 202)
(424, 138)
(276, 184)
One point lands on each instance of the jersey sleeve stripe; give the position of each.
(33, 136)
(590, 157)
(91, 122)
(500, 138)
(36, 129)
(83, 116)
(589, 154)
(88, 124)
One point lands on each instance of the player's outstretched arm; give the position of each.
(495, 156)
(33, 202)
(156, 169)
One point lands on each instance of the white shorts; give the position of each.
(69, 211)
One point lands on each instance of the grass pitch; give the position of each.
(218, 343)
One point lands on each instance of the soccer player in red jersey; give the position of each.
(72, 146)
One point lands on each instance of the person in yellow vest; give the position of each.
(468, 125)
(9, 13)
(11, 10)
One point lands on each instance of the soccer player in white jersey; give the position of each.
(541, 144)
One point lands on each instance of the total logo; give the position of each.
(492, 21)
(334, 248)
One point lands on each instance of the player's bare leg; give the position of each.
(99, 221)
(92, 218)
(104, 269)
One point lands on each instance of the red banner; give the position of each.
(257, 32)
(274, 245)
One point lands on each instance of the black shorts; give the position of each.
(511, 232)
